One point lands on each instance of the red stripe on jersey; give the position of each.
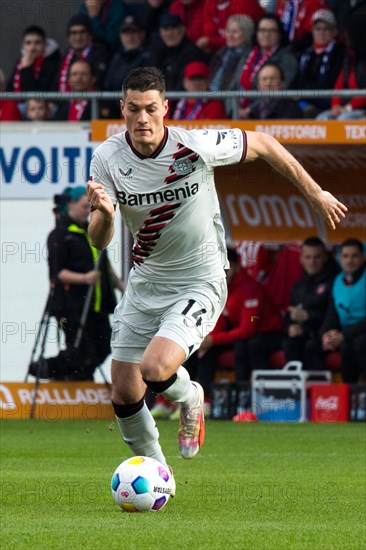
(162, 209)
(245, 147)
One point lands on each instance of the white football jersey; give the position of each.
(169, 201)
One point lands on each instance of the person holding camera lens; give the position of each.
(74, 267)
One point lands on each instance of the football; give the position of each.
(141, 484)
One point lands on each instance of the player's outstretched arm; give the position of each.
(101, 226)
(266, 147)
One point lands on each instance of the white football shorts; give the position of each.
(179, 312)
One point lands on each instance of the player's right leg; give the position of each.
(138, 428)
(134, 419)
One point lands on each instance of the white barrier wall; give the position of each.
(29, 179)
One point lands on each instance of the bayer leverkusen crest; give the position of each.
(182, 167)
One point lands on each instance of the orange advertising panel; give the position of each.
(258, 204)
(286, 131)
(55, 400)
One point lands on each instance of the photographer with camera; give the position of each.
(74, 267)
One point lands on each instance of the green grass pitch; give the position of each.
(253, 486)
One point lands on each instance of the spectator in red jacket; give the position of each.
(248, 313)
(296, 17)
(9, 111)
(196, 79)
(352, 75)
(271, 45)
(192, 13)
(215, 17)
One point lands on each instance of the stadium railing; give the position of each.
(97, 97)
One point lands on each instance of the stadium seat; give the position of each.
(285, 272)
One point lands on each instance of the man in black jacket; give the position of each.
(344, 325)
(309, 300)
(80, 79)
(73, 268)
(271, 77)
(131, 54)
(83, 46)
(173, 50)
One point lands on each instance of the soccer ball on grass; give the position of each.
(141, 484)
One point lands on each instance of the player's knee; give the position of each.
(153, 370)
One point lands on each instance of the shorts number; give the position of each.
(196, 315)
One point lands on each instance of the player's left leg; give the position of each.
(186, 321)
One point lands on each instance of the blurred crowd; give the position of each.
(306, 303)
(223, 45)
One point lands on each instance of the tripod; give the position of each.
(41, 339)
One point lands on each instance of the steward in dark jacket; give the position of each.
(75, 267)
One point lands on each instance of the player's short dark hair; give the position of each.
(35, 29)
(143, 79)
(313, 242)
(352, 242)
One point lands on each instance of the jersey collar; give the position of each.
(155, 153)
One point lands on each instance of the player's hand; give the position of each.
(330, 208)
(99, 199)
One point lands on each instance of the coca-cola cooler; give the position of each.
(330, 402)
(283, 395)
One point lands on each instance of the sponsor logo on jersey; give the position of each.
(220, 137)
(182, 167)
(157, 197)
(126, 174)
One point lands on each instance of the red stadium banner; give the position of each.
(55, 400)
